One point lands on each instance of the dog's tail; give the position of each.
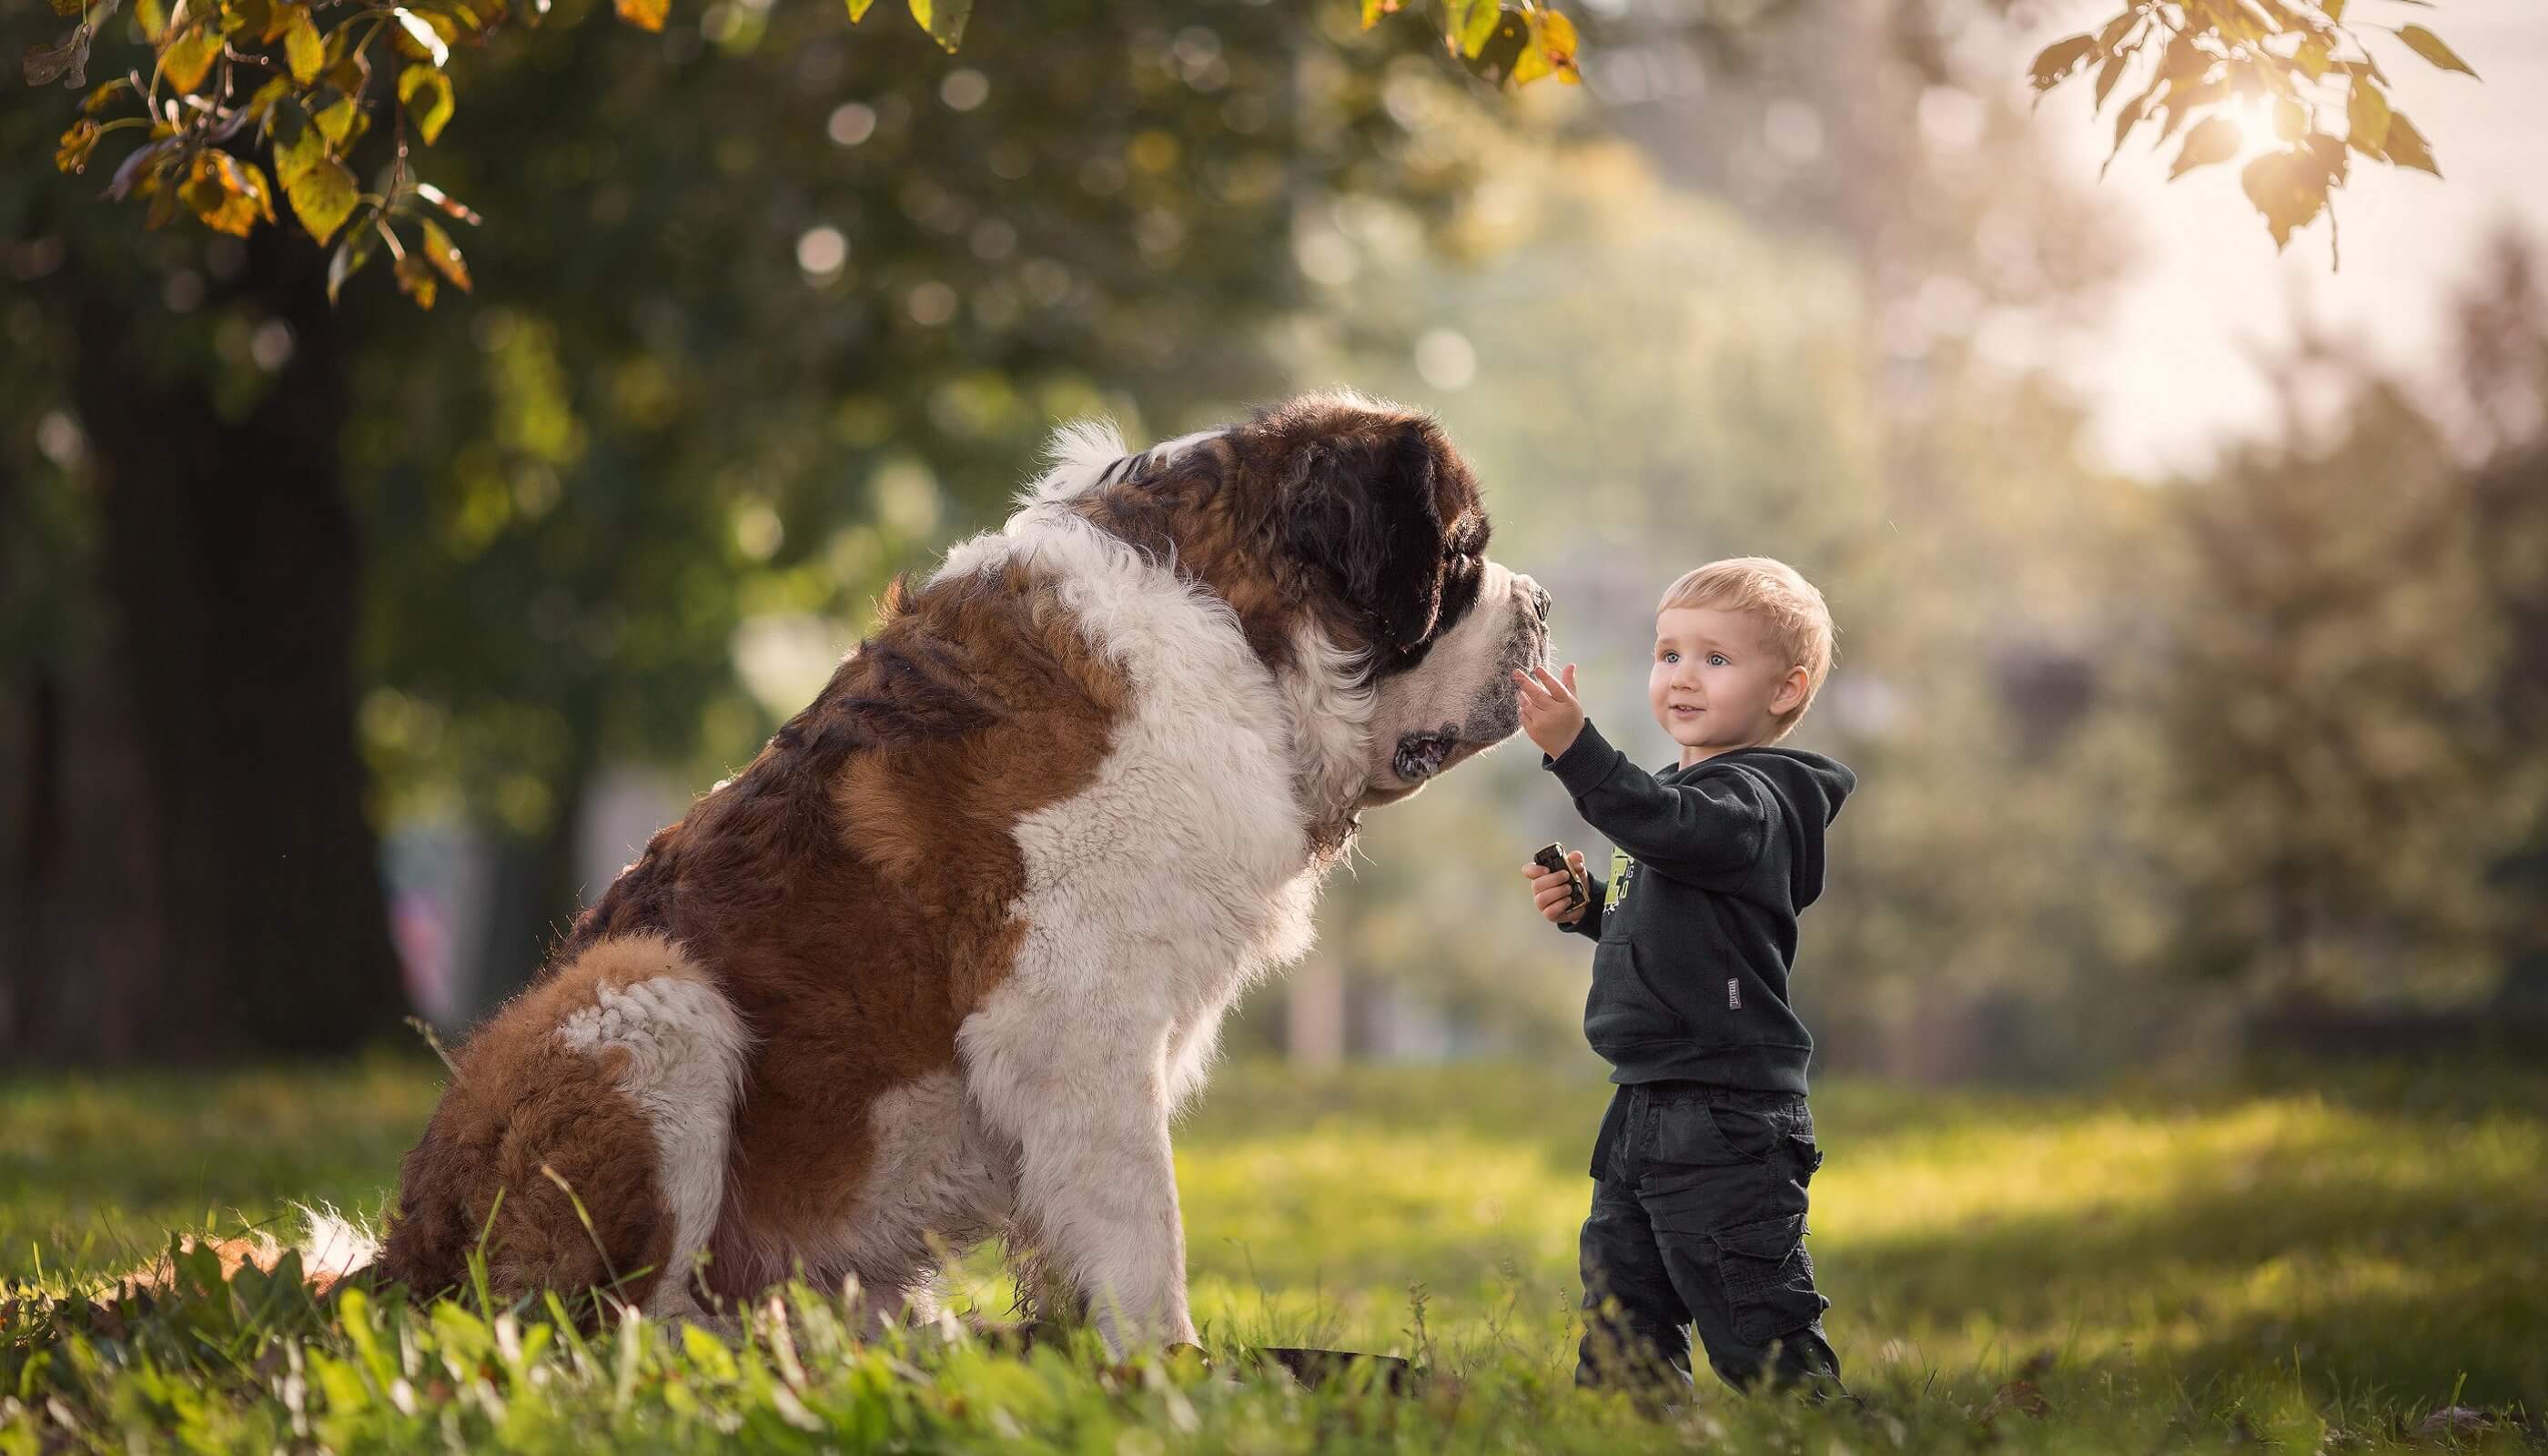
(333, 1247)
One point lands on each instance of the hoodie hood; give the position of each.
(1810, 787)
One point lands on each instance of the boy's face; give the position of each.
(1715, 684)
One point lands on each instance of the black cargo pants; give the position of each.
(1698, 1216)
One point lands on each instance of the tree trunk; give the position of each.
(227, 561)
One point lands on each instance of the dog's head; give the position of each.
(1379, 518)
(1348, 538)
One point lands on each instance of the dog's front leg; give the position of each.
(1097, 1188)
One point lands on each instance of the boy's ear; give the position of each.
(1792, 689)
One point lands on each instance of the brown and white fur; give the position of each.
(946, 958)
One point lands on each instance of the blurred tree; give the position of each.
(297, 83)
(736, 368)
(2356, 793)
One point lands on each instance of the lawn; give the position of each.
(2303, 1264)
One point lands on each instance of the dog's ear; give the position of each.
(1359, 507)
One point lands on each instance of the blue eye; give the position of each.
(1672, 657)
(1716, 658)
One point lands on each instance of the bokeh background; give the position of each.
(2193, 599)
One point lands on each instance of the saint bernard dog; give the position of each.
(945, 960)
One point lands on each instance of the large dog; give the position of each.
(945, 959)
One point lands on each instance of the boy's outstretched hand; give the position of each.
(1549, 712)
(1554, 893)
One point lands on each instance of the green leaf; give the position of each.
(2213, 139)
(435, 109)
(322, 197)
(190, 56)
(2366, 112)
(303, 50)
(645, 15)
(2060, 58)
(1373, 10)
(439, 250)
(2404, 145)
(359, 243)
(944, 20)
(1471, 24)
(2429, 45)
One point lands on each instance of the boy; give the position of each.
(1700, 1167)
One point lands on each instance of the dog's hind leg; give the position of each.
(582, 1143)
(680, 1054)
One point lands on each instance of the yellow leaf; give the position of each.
(645, 15)
(229, 195)
(77, 143)
(2213, 139)
(416, 280)
(2406, 147)
(2291, 120)
(859, 10)
(2060, 58)
(425, 36)
(427, 93)
(322, 197)
(303, 50)
(337, 122)
(944, 20)
(1550, 50)
(190, 56)
(2366, 112)
(444, 256)
(2429, 45)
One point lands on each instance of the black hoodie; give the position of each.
(1698, 919)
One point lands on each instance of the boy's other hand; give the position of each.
(1549, 712)
(1551, 891)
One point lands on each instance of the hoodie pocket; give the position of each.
(1624, 1009)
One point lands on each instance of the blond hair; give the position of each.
(1793, 615)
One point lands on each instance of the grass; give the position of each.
(2304, 1266)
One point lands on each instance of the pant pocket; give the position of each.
(1769, 1278)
